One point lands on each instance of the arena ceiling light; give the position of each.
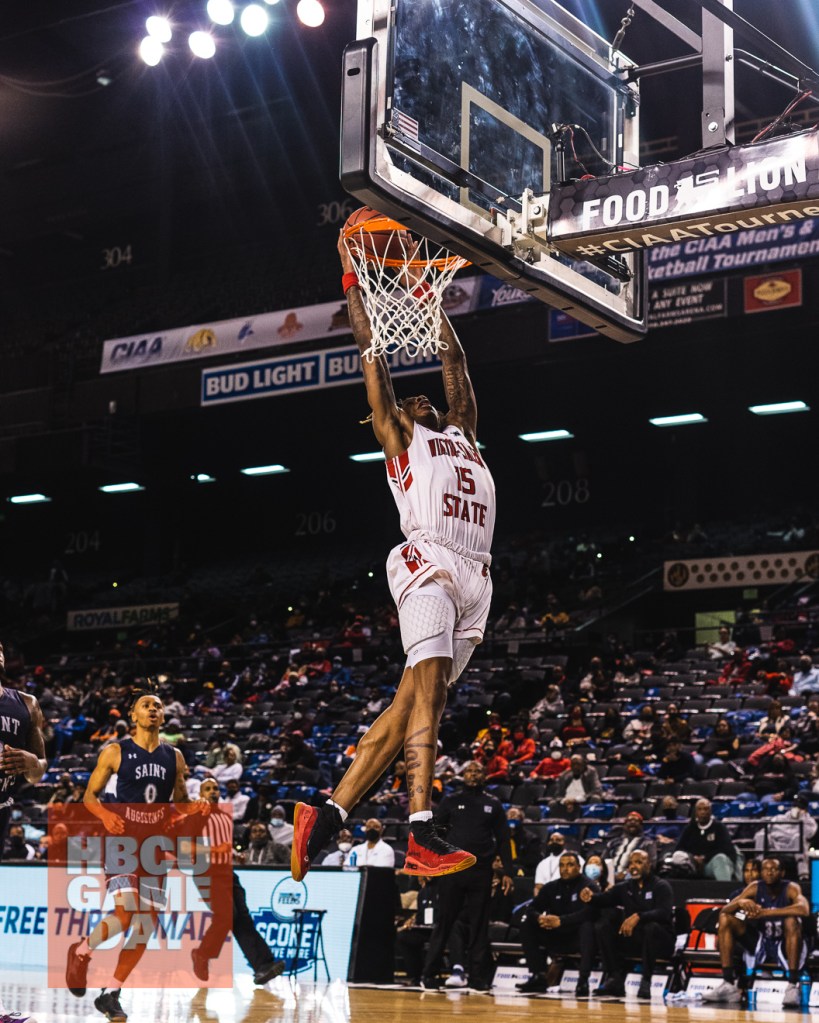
(310, 13)
(368, 456)
(121, 488)
(203, 477)
(202, 44)
(29, 499)
(778, 408)
(159, 28)
(221, 12)
(263, 470)
(685, 419)
(254, 20)
(535, 438)
(151, 51)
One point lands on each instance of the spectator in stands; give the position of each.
(580, 783)
(524, 844)
(107, 730)
(17, 848)
(623, 841)
(62, 790)
(340, 856)
(70, 728)
(674, 725)
(549, 706)
(575, 730)
(805, 678)
(628, 674)
(216, 754)
(395, 791)
(640, 727)
(298, 759)
(774, 721)
(261, 849)
(548, 869)
(737, 669)
(647, 928)
(721, 746)
(766, 921)
(237, 799)
(668, 824)
(496, 766)
(723, 647)
(494, 731)
(595, 870)
(281, 831)
(806, 727)
(553, 764)
(519, 747)
(751, 871)
(172, 733)
(229, 770)
(374, 851)
(773, 778)
(610, 731)
(557, 923)
(121, 729)
(790, 832)
(776, 683)
(677, 765)
(708, 844)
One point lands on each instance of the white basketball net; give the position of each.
(402, 294)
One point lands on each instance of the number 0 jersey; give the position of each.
(145, 777)
(443, 487)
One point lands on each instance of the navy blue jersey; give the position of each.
(768, 900)
(15, 730)
(145, 777)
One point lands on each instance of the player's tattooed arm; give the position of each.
(463, 410)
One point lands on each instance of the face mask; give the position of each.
(514, 824)
(372, 835)
(345, 847)
(555, 848)
(592, 871)
(276, 822)
(556, 754)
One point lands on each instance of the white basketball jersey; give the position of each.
(441, 485)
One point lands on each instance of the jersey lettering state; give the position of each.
(442, 485)
(15, 730)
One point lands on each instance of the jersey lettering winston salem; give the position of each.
(15, 730)
(441, 484)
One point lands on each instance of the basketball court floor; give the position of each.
(337, 1002)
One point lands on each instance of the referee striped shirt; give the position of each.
(218, 830)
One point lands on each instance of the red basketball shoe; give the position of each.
(313, 828)
(430, 856)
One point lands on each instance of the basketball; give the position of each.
(386, 244)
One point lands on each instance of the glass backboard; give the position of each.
(450, 124)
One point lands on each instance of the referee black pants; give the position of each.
(253, 946)
(464, 895)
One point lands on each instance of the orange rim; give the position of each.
(379, 224)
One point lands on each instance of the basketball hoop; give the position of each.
(402, 283)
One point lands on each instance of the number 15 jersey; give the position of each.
(443, 487)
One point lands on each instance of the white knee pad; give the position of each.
(427, 618)
(462, 650)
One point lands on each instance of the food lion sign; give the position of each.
(713, 194)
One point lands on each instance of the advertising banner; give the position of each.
(290, 374)
(121, 617)
(325, 321)
(715, 193)
(670, 305)
(714, 573)
(773, 291)
(26, 916)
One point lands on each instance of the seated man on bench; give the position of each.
(557, 923)
(646, 930)
(765, 921)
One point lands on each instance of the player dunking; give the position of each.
(439, 579)
(22, 748)
(148, 772)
